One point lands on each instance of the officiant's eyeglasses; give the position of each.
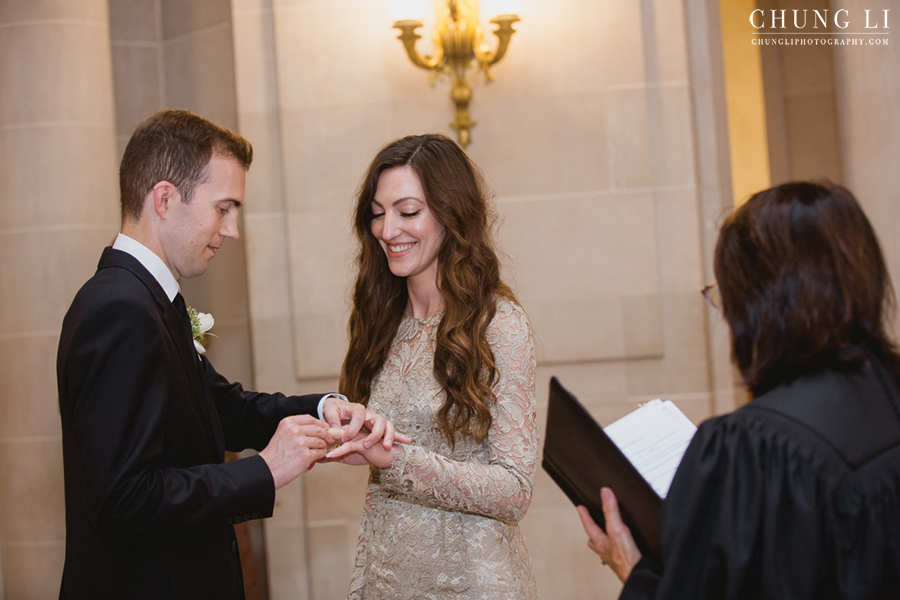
(713, 295)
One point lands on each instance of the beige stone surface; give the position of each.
(134, 20)
(666, 20)
(642, 325)
(680, 259)
(569, 47)
(564, 567)
(255, 63)
(265, 236)
(813, 135)
(321, 278)
(264, 193)
(32, 503)
(136, 81)
(524, 155)
(321, 344)
(673, 136)
(327, 150)
(35, 10)
(602, 382)
(57, 192)
(228, 351)
(683, 368)
(58, 176)
(307, 55)
(33, 571)
(628, 120)
(868, 102)
(289, 502)
(182, 18)
(571, 277)
(286, 561)
(40, 282)
(273, 353)
(26, 368)
(244, 7)
(336, 492)
(329, 561)
(45, 62)
(199, 73)
(807, 68)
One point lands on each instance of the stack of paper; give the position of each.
(654, 438)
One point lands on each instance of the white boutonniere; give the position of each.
(201, 323)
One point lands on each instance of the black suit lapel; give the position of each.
(183, 340)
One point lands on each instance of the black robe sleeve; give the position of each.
(759, 509)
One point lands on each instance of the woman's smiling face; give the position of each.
(402, 223)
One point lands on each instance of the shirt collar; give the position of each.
(150, 261)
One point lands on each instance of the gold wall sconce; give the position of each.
(458, 47)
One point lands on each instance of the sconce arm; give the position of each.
(409, 36)
(503, 32)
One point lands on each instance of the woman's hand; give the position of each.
(358, 418)
(355, 452)
(616, 547)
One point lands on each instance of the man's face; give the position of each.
(194, 232)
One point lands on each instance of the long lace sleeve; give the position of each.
(501, 486)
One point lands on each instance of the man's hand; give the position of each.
(617, 549)
(337, 411)
(298, 443)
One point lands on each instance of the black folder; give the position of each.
(581, 459)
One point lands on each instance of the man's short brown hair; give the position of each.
(174, 146)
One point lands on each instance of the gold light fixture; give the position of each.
(458, 47)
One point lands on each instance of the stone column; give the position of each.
(59, 206)
(266, 236)
(868, 99)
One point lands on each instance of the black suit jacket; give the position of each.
(150, 502)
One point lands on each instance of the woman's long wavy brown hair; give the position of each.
(468, 280)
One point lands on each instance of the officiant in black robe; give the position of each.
(797, 494)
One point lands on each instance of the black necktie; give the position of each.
(178, 301)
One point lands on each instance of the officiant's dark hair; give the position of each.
(804, 284)
(174, 146)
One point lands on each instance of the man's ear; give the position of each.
(164, 196)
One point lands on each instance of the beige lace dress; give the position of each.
(441, 523)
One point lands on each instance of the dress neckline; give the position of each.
(424, 320)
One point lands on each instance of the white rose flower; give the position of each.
(206, 321)
(200, 324)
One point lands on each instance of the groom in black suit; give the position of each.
(146, 420)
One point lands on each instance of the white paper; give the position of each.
(654, 438)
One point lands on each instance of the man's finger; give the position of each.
(305, 420)
(313, 443)
(318, 433)
(332, 414)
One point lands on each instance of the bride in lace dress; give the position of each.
(440, 347)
